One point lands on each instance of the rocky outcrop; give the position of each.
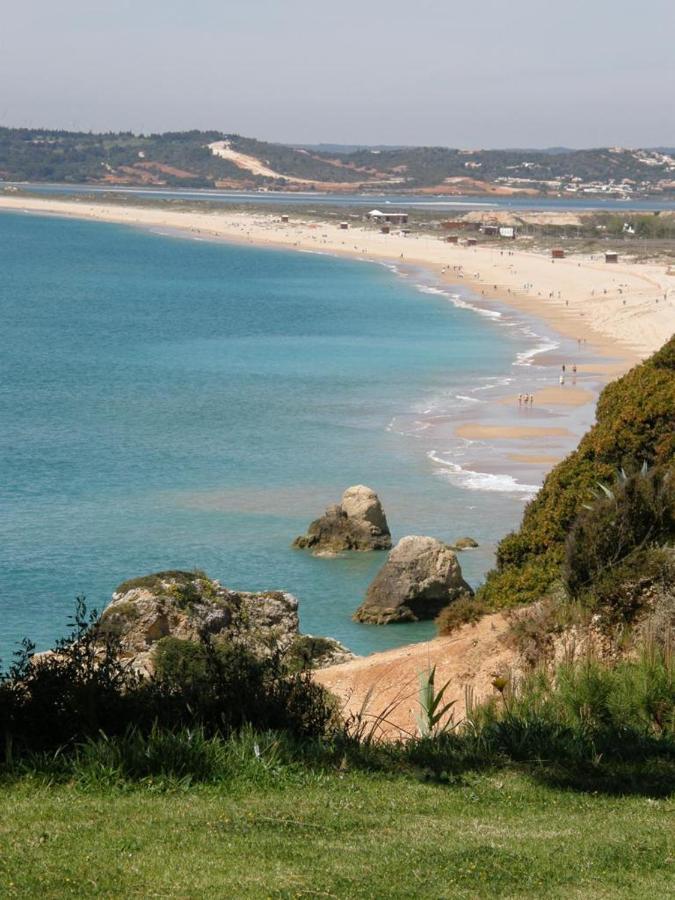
(421, 576)
(190, 606)
(358, 522)
(464, 543)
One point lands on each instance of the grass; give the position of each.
(333, 835)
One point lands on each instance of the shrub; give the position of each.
(464, 611)
(532, 629)
(305, 649)
(85, 688)
(610, 550)
(634, 425)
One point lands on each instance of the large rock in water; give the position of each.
(190, 606)
(419, 579)
(358, 522)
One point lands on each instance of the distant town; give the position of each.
(202, 159)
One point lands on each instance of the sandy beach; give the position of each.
(619, 309)
(615, 314)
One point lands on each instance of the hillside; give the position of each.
(215, 159)
(634, 428)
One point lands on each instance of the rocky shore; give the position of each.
(190, 606)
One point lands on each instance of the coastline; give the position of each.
(614, 308)
(512, 461)
(496, 451)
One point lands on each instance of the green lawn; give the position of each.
(351, 835)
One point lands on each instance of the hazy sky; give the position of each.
(476, 73)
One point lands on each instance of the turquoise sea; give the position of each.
(171, 403)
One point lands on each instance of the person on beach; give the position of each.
(520, 399)
(562, 379)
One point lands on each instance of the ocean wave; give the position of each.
(481, 481)
(526, 357)
(493, 382)
(457, 301)
(466, 399)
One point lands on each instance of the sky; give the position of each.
(471, 74)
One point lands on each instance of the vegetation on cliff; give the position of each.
(630, 452)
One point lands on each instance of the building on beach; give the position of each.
(492, 229)
(611, 256)
(393, 218)
(557, 253)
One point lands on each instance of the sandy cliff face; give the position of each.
(388, 683)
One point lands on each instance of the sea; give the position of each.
(174, 403)
(586, 202)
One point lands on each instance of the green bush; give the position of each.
(613, 549)
(86, 688)
(464, 611)
(634, 425)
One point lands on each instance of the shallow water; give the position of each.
(367, 200)
(168, 403)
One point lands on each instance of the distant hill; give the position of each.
(216, 159)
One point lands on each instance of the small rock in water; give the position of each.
(358, 522)
(464, 543)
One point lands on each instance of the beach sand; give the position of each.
(533, 459)
(556, 396)
(475, 431)
(615, 315)
(619, 308)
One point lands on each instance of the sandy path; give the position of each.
(468, 659)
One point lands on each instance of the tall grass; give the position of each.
(81, 715)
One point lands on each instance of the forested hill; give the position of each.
(214, 159)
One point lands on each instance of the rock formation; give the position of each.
(420, 577)
(358, 522)
(464, 543)
(190, 606)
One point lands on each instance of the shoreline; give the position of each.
(502, 463)
(614, 308)
(525, 450)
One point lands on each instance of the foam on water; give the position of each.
(480, 481)
(457, 301)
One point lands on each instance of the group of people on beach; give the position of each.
(525, 399)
